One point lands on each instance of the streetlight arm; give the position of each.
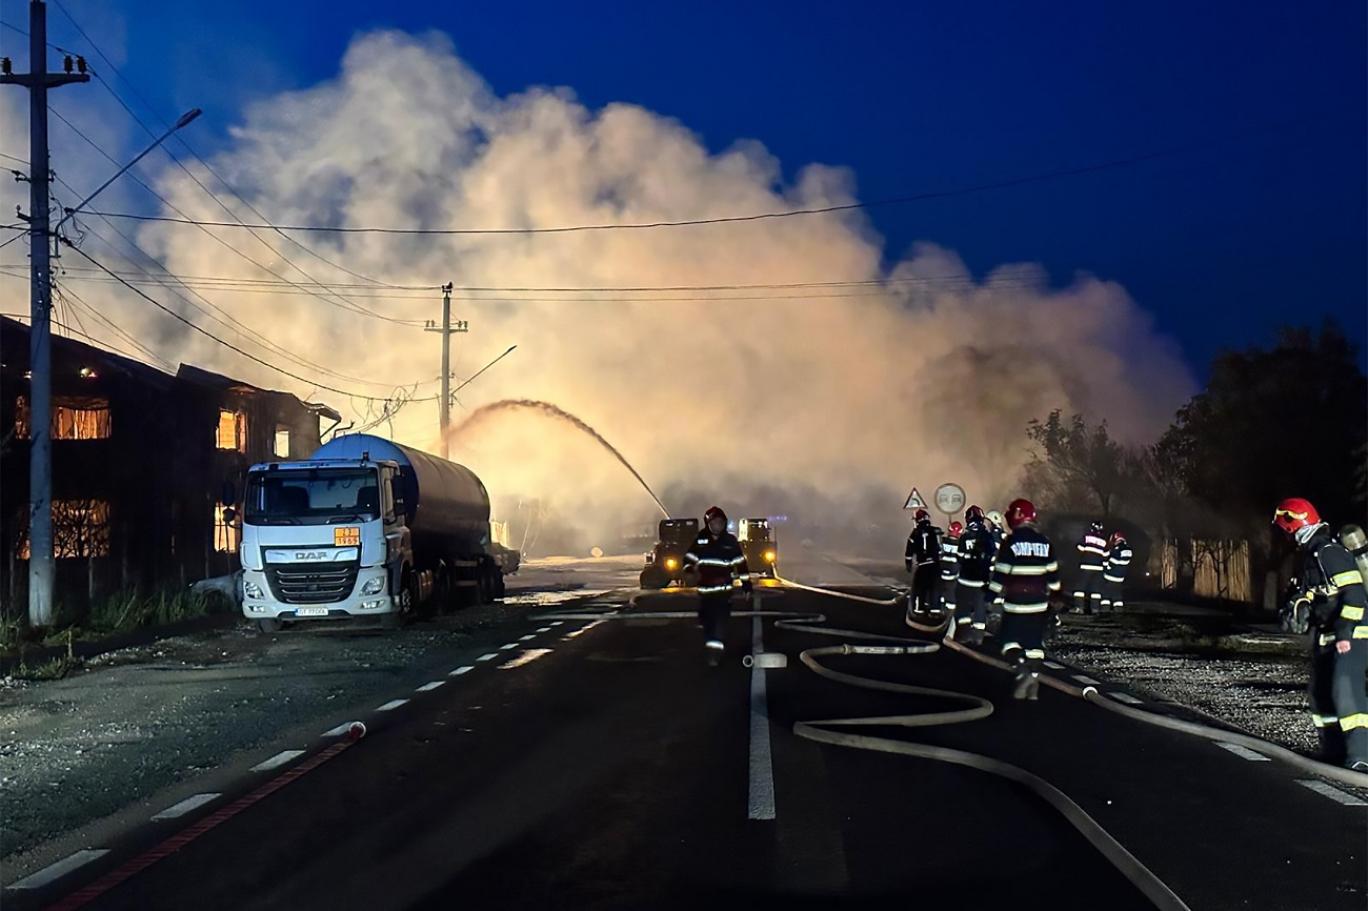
(483, 369)
(185, 120)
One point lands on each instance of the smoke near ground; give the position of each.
(825, 403)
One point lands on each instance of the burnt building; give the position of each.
(139, 460)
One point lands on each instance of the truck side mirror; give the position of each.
(228, 494)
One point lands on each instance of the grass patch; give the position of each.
(55, 669)
(118, 613)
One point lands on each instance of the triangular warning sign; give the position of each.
(914, 500)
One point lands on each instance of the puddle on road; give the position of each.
(550, 599)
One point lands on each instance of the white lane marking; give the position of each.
(556, 622)
(391, 705)
(761, 797)
(528, 636)
(490, 657)
(1088, 680)
(429, 687)
(532, 654)
(279, 759)
(1131, 700)
(1335, 794)
(462, 670)
(508, 645)
(58, 870)
(185, 806)
(583, 629)
(1053, 666)
(543, 629)
(1242, 752)
(343, 728)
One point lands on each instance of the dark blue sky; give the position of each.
(1264, 222)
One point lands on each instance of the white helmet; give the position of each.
(996, 518)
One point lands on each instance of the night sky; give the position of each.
(1257, 219)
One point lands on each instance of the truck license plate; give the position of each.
(312, 612)
(346, 537)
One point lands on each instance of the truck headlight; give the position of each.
(373, 586)
(769, 556)
(252, 590)
(671, 564)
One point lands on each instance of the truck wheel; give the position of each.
(268, 625)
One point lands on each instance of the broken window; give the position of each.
(80, 528)
(227, 535)
(282, 442)
(74, 417)
(232, 430)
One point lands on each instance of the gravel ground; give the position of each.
(132, 722)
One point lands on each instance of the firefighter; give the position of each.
(949, 566)
(1025, 574)
(1332, 588)
(977, 552)
(716, 558)
(1119, 556)
(1092, 557)
(922, 557)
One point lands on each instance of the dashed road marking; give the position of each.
(760, 800)
(391, 705)
(543, 629)
(466, 669)
(532, 654)
(185, 806)
(1128, 699)
(1088, 680)
(1335, 794)
(1054, 666)
(507, 646)
(557, 622)
(527, 637)
(343, 728)
(490, 657)
(1242, 752)
(279, 759)
(58, 870)
(429, 687)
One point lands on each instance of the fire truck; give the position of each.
(758, 544)
(665, 561)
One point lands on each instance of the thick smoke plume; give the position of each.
(826, 403)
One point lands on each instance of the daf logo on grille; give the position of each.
(311, 555)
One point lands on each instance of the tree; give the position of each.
(1076, 467)
(1274, 423)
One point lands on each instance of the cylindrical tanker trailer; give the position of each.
(366, 528)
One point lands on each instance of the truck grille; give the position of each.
(311, 583)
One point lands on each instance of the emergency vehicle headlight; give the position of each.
(373, 586)
(769, 556)
(671, 563)
(372, 605)
(252, 590)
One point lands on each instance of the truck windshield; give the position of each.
(301, 496)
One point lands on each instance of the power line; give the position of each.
(1022, 180)
(229, 345)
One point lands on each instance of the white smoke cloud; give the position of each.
(930, 375)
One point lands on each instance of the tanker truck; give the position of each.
(366, 529)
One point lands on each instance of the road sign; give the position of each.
(949, 498)
(914, 500)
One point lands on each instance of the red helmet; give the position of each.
(973, 514)
(1020, 512)
(1294, 513)
(1116, 538)
(714, 512)
(956, 528)
(922, 515)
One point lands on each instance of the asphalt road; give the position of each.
(618, 770)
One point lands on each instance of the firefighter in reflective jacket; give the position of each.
(949, 566)
(1025, 574)
(1119, 556)
(716, 558)
(922, 558)
(1332, 586)
(1092, 558)
(977, 553)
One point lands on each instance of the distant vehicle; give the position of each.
(665, 561)
(366, 529)
(759, 546)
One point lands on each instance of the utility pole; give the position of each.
(447, 329)
(38, 80)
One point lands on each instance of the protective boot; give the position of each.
(1333, 749)
(715, 650)
(1025, 683)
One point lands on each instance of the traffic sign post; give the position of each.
(949, 500)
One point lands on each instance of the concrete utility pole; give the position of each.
(38, 80)
(444, 403)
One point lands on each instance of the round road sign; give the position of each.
(950, 498)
